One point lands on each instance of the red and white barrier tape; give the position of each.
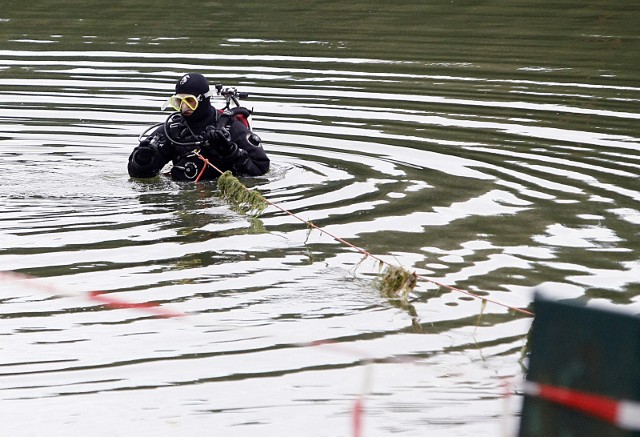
(622, 413)
(357, 411)
(96, 296)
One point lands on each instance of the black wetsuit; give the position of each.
(175, 141)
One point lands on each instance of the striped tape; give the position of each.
(100, 297)
(623, 413)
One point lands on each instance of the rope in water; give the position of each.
(368, 254)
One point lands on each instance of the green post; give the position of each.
(588, 350)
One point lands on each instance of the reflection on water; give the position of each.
(489, 148)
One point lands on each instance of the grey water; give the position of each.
(492, 147)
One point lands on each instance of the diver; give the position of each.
(198, 134)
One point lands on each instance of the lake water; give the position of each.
(492, 147)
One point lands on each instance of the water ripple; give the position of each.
(493, 184)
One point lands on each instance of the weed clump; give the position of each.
(234, 191)
(397, 282)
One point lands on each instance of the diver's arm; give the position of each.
(150, 156)
(244, 156)
(248, 157)
(252, 160)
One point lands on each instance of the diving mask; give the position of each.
(176, 101)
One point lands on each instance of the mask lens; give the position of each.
(191, 102)
(176, 102)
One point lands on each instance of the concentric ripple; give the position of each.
(494, 182)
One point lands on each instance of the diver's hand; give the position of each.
(143, 155)
(220, 141)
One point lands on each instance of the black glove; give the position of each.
(142, 161)
(220, 141)
(149, 157)
(143, 155)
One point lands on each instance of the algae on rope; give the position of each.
(397, 282)
(234, 191)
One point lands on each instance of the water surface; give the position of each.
(489, 147)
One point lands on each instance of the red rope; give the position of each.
(368, 254)
(204, 166)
